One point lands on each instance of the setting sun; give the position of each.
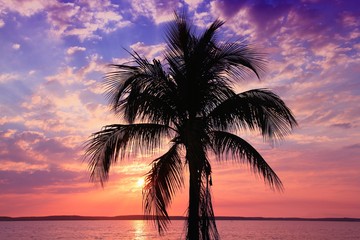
(140, 182)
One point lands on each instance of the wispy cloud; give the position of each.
(74, 49)
(158, 11)
(82, 19)
(25, 8)
(16, 46)
(22, 167)
(149, 51)
(5, 77)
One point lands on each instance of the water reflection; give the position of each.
(139, 230)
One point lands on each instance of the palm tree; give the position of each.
(189, 101)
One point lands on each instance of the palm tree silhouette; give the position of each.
(189, 101)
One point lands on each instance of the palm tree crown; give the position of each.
(191, 101)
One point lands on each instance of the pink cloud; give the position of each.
(158, 11)
(81, 19)
(193, 4)
(149, 51)
(74, 49)
(22, 167)
(5, 77)
(26, 8)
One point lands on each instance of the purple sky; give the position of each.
(53, 57)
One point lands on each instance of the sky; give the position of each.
(54, 54)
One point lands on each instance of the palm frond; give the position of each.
(230, 145)
(238, 58)
(118, 83)
(257, 109)
(203, 68)
(179, 36)
(162, 182)
(187, 56)
(148, 107)
(208, 38)
(113, 142)
(211, 95)
(126, 83)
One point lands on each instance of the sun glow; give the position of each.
(140, 182)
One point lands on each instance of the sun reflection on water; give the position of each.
(139, 230)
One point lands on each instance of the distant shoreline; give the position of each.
(141, 217)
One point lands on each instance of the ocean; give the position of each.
(142, 230)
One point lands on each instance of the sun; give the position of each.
(140, 182)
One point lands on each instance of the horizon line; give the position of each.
(148, 217)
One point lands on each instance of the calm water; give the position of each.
(140, 230)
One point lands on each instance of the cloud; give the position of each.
(134, 168)
(353, 146)
(82, 19)
(312, 54)
(69, 102)
(238, 23)
(149, 51)
(228, 8)
(29, 151)
(2, 23)
(40, 181)
(74, 49)
(342, 125)
(6, 77)
(16, 46)
(158, 11)
(32, 162)
(25, 8)
(193, 4)
(22, 167)
(71, 75)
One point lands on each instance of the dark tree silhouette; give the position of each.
(189, 101)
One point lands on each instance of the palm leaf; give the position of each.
(257, 109)
(179, 36)
(114, 141)
(162, 181)
(238, 58)
(126, 83)
(227, 144)
(153, 108)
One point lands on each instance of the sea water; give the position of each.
(142, 230)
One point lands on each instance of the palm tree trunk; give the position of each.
(194, 159)
(194, 200)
